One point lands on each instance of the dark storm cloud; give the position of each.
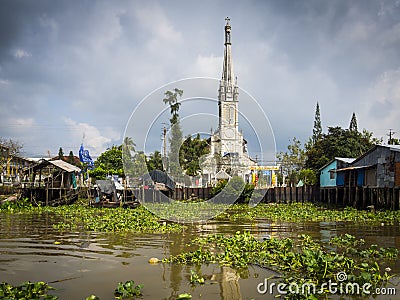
(74, 69)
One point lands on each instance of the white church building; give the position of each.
(228, 151)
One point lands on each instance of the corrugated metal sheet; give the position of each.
(394, 147)
(347, 160)
(64, 166)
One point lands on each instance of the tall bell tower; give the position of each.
(228, 101)
(228, 151)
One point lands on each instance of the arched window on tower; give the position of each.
(231, 115)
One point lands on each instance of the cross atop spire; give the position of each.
(227, 31)
(227, 72)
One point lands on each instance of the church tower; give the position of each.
(228, 100)
(228, 152)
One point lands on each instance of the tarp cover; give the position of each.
(106, 186)
(160, 177)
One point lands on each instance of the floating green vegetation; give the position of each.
(308, 212)
(184, 296)
(303, 262)
(142, 220)
(39, 291)
(11, 206)
(27, 290)
(112, 219)
(128, 290)
(187, 211)
(73, 217)
(196, 278)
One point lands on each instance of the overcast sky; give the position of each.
(73, 71)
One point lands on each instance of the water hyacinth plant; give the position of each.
(128, 290)
(82, 217)
(27, 290)
(308, 212)
(304, 261)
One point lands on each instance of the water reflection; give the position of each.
(78, 264)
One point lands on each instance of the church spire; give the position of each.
(227, 70)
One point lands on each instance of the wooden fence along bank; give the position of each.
(357, 197)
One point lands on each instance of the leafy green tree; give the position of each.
(338, 142)
(191, 151)
(154, 162)
(292, 161)
(308, 176)
(353, 123)
(109, 163)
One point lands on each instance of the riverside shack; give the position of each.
(52, 182)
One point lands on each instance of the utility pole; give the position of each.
(165, 159)
(390, 134)
(165, 143)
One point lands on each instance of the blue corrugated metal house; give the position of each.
(328, 176)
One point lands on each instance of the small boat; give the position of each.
(108, 196)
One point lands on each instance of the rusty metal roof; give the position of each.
(64, 165)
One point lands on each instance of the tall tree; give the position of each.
(292, 161)
(61, 154)
(176, 136)
(172, 99)
(128, 146)
(128, 152)
(317, 130)
(191, 151)
(353, 123)
(71, 158)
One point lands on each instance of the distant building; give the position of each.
(11, 166)
(378, 167)
(228, 151)
(328, 175)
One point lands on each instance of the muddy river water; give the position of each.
(78, 264)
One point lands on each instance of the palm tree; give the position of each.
(128, 147)
(172, 99)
